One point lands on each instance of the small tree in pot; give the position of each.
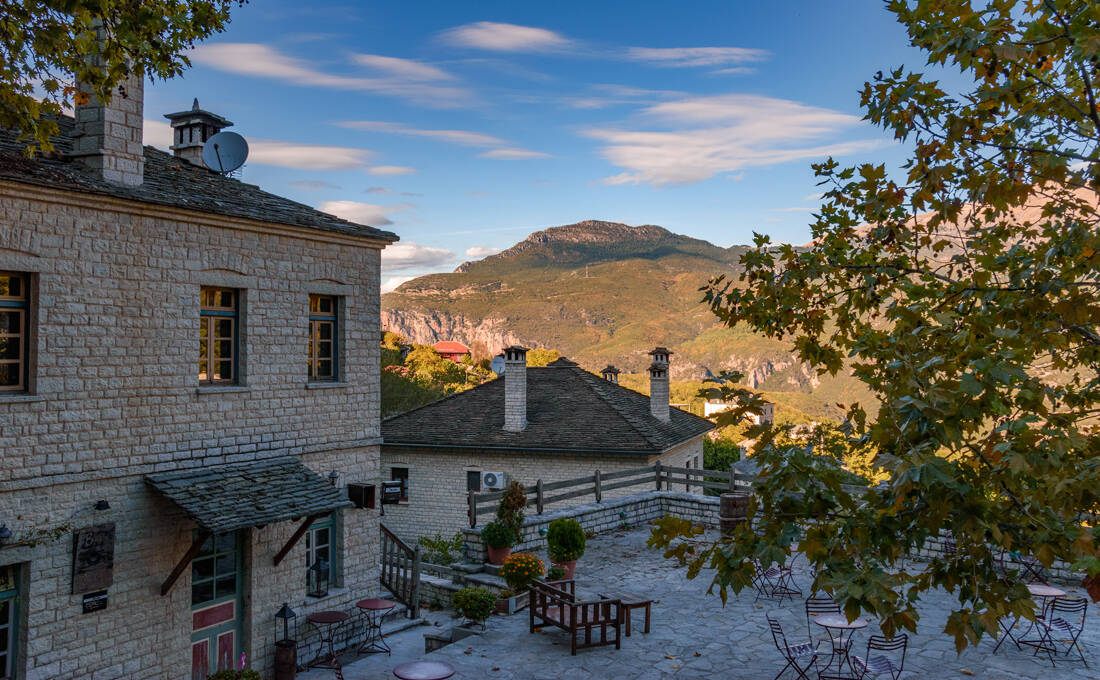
(476, 604)
(511, 507)
(498, 539)
(565, 542)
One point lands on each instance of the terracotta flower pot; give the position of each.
(498, 555)
(569, 567)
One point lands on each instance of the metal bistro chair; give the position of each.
(822, 604)
(887, 664)
(793, 653)
(775, 581)
(1065, 621)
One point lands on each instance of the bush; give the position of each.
(555, 574)
(498, 535)
(565, 539)
(510, 510)
(520, 569)
(441, 550)
(242, 674)
(476, 604)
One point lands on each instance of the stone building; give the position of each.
(188, 379)
(551, 423)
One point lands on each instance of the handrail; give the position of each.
(400, 570)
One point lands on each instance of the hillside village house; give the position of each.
(552, 423)
(455, 351)
(188, 379)
(766, 416)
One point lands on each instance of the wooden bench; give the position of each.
(555, 604)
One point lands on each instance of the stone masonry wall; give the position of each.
(437, 480)
(116, 398)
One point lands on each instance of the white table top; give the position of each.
(839, 621)
(1039, 590)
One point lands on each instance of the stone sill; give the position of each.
(333, 593)
(223, 389)
(20, 398)
(320, 385)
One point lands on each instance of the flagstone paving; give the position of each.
(694, 636)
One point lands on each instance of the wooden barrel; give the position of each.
(286, 660)
(733, 509)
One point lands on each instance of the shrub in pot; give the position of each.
(520, 569)
(476, 604)
(241, 674)
(565, 542)
(511, 507)
(555, 573)
(498, 539)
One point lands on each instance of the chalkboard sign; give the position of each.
(392, 492)
(93, 558)
(94, 602)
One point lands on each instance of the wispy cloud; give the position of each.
(391, 170)
(313, 185)
(364, 213)
(157, 133)
(512, 154)
(706, 136)
(813, 197)
(263, 61)
(392, 282)
(792, 210)
(305, 156)
(696, 56)
(388, 192)
(410, 254)
(402, 68)
(500, 37)
(481, 251)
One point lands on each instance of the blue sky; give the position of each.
(465, 126)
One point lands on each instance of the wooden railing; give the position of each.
(401, 570)
(658, 476)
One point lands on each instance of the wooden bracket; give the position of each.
(196, 546)
(297, 536)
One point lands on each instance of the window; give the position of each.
(320, 546)
(14, 329)
(401, 474)
(218, 336)
(473, 480)
(322, 337)
(9, 615)
(214, 571)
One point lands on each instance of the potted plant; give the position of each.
(555, 573)
(565, 543)
(498, 539)
(519, 570)
(510, 509)
(475, 604)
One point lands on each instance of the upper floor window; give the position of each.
(401, 474)
(14, 329)
(219, 333)
(322, 337)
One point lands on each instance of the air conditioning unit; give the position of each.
(492, 480)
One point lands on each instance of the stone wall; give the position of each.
(437, 480)
(116, 397)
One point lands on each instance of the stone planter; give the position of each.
(511, 605)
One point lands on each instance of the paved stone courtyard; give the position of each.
(694, 636)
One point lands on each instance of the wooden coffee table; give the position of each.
(630, 601)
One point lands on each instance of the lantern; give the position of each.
(286, 648)
(317, 579)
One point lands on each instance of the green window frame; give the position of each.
(321, 543)
(215, 571)
(219, 336)
(9, 620)
(324, 336)
(14, 331)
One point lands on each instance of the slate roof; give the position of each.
(169, 181)
(229, 497)
(568, 409)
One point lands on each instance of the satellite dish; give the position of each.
(497, 365)
(225, 152)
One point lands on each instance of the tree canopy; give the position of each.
(962, 290)
(46, 47)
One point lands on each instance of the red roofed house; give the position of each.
(455, 351)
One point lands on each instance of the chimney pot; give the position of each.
(515, 388)
(191, 129)
(658, 384)
(611, 374)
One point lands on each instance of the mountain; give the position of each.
(603, 292)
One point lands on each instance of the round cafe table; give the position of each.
(424, 670)
(840, 631)
(374, 609)
(1045, 595)
(327, 623)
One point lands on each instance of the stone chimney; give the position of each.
(515, 388)
(658, 384)
(108, 136)
(611, 374)
(191, 129)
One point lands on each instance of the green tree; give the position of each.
(46, 47)
(542, 357)
(968, 305)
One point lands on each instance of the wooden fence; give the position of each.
(401, 570)
(659, 476)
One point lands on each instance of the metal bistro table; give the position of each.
(374, 610)
(424, 670)
(327, 624)
(840, 631)
(1045, 595)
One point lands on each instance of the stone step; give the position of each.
(468, 567)
(490, 581)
